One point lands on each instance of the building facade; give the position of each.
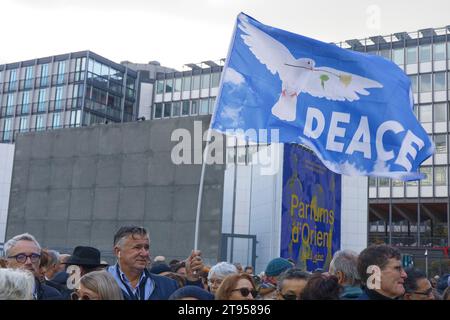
(416, 214)
(68, 90)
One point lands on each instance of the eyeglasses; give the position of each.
(22, 257)
(215, 281)
(290, 297)
(76, 296)
(426, 293)
(246, 291)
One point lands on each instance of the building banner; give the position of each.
(311, 209)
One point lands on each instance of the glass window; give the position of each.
(186, 106)
(386, 54)
(176, 109)
(160, 86)
(97, 68)
(40, 123)
(58, 97)
(169, 86)
(439, 51)
(75, 118)
(212, 104)
(29, 73)
(440, 143)
(158, 111)
(215, 79)
(167, 111)
(177, 85)
(41, 100)
(372, 182)
(425, 82)
(196, 82)
(187, 83)
(414, 83)
(411, 55)
(12, 76)
(383, 182)
(439, 81)
(194, 107)
(205, 80)
(428, 180)
(411, 183)
(426, 115)
(7, 129)
(56, 122)
(440, 112)
(44, 70)
(23, 126)
(398, 56)
(204, 106)
(10, 100)
(397, 183)
(440, 176)
(425, 53)
(26, 102)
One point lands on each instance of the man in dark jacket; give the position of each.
(132, 249)
(381, 273)
(24, 252)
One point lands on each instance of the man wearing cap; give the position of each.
(132, 249)
(276, 267)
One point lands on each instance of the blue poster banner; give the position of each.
(311, 209)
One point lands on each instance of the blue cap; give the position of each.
(191, 292)
(277, 266)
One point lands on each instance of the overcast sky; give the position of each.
(176, 32)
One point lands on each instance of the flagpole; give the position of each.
(205, 152)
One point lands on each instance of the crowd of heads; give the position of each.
(28, 272)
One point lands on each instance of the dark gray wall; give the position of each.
(78, 186)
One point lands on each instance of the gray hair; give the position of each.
(11, 243)
(289, 274)
(16, 284)
(221, 270)
(346, 261)
(53, 257)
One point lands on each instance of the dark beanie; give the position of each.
(159, 268)
(191, 292)
(277, 266)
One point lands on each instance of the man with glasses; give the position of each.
(417, 286)
(291, 284)
(24, 252)
(381, 273)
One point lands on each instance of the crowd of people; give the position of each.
(29, 272)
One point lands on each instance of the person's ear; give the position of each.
(117, 251)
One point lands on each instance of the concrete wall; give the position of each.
(6, 166)
(78, 186)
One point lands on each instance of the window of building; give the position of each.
(160, 86)
(56, 121)
(167, 109)
(411, 55)
(26, 102)
(439, 81)
(75, 118)
(196, 82)
(58, 98)
(212, 104)
(39, 125)
(385, 54)
(23, 125)
(177, 86)
(194, 106)
(411, 183)
(425, 82)
(169, 86)
(41, 100)
(428, 173)
(398, 56)
(439, 51)
(440, 176)
(186, 107)
(383, 182)
(205, 80)
(61, 70)
(426, 115)
(187, 83)
(440, 142)
(10, 104)
(176, 109)
(13, 76)
(158, 110)
(7, 129)
(44, 74)
(204, 106)
(397, 183)
(414, 83)
(215, 79)
(372, 182)
(29, 73)
(425, 53)
(440, 112)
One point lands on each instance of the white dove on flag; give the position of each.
(300, 75)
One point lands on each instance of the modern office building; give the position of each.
(416, 214)
(67, 90)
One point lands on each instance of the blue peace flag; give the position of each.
(354, 110)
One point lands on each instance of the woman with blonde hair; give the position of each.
(237, 287)
(98, 285)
